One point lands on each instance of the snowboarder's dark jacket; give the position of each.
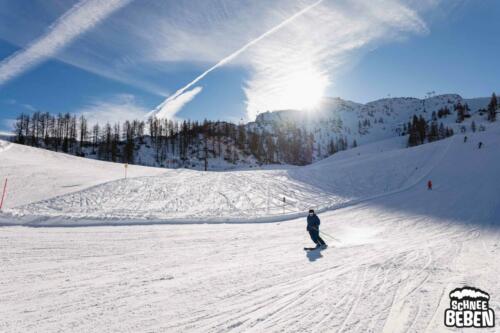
(312, 222)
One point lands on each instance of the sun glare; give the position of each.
(305, 89)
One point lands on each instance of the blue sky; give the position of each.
(118, 59)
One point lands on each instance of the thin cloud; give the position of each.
(114, 109)
(147, 42)
(170, 107)
(8, 126)
(80, 18)
(25, 106)
(318, 45)
(311, 42)
(178, 94)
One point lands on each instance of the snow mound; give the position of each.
(37, 174)
(4, 145)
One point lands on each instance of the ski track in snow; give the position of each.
(242, 277)
(399, 255)
(186, 195)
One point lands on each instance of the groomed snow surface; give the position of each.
(161, 195)
(400, 250)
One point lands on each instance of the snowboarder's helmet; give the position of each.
(311, 211)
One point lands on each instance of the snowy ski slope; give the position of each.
(399, 252)
(37, 174)
(236, 196)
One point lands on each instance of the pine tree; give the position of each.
(433, 132)
(331, 147)
(421, 129)
(83, 131)
(128, 136)
(492, 108)
(95, 137)
(271, 149)
(254, 145)
(459, 108)
(434, 116)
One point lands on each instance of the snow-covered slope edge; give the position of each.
(37, 174)
(240, 196)
(185, 196)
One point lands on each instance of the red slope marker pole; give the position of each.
(3, 193)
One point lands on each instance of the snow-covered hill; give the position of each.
(280, 137)
(36, 174)
(187, 195)
(399, 251)
(192, 196)
(366, 123)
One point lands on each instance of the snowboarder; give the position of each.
(429, 185)
(313, 229)
(480, 144)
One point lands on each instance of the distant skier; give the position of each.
(313, 223)
(429, 185)
(465, 139)
(480, 144)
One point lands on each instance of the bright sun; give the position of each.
(304, 89)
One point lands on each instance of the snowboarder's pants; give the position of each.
(316, 238)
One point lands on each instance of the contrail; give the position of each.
(237, 53)
(82, 17)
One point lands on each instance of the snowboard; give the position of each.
(313, 248)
